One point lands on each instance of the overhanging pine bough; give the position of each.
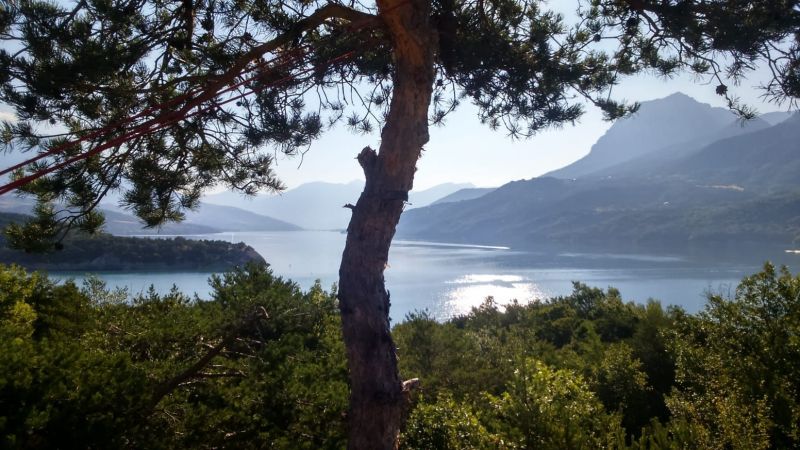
(162, 100)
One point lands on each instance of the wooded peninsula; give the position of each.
(106, 253)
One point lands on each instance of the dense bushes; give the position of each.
(85, 369)
(261, 365)
(591, 371)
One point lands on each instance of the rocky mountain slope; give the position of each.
(729, 184)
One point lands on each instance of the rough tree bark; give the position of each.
(376, 392)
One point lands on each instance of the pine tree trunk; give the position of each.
(376, 392)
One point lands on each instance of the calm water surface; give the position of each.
(450, 279)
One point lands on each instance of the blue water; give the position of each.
(449, 279)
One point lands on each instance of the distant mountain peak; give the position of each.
(661, 123)
(680, 102)
(732, 185)
(678, 95)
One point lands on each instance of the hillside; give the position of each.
(743, 187)
(116, 222)
(229, 218)
(547, 211)
(767, 160)
(121, 224)
(315, 206)
(425, 197)
(207, 219)
(654, 163)
(319, 205)
(9, 218)
(464, 194)
(674, 120)
(776, 117)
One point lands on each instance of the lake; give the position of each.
(448, 279)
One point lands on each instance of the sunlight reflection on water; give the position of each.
(450, 279)
(486, 278)
(471, 290)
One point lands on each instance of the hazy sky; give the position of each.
(463, 150)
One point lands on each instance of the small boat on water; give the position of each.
(796, 252)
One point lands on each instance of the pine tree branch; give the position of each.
(215, 84)
(196, 369)
(357, 18)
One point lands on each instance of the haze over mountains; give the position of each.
(463, 194)
(313, 206)
(207, 219)
(320, 205)
(677, 173)
(661, 127)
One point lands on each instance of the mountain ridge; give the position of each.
(208, 219)
(320, 205)
(687, 196)
(673, 120)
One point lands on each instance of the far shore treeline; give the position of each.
(101, 252)
(260, 364)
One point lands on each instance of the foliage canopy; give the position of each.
(583, 371)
